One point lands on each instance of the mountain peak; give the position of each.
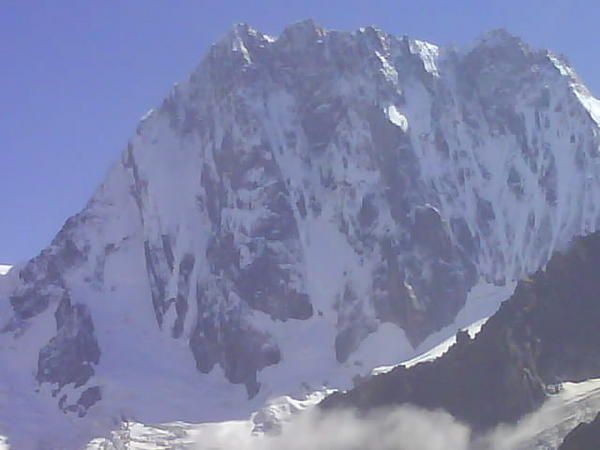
(498, 37)
(301, 34)
(500, 40)
(240, 35)
(306, 27)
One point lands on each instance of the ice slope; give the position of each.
(299, 211)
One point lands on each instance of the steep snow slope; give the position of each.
(296, 203)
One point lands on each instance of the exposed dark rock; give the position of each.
(466, 241)
(87, 399)
(69, 356)
(319, 122)
(183, 289)
(549, 181)
(301, 205)
(352, 326)
(392, 297)
(515, 182)
(214, 197)
(168, 250)
(431, 233)
(30, 302)
(485, 214)
(546, 333)
(422, 295)
(585, 436)
(279, 223)
(226, 338)
(397, 164)
(367, 215)
(266, 284)
(43, 275)
(159, 268)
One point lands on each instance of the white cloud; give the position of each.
(404, 428)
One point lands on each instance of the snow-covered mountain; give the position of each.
(299, 211)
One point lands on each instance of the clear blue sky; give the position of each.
(75, 76)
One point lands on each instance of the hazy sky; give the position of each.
(75, 77)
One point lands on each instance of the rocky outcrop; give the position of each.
(69, 356)
(585, 436)
(543, 335)
(227, 339)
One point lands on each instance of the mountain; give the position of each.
(4, 269)
(299, 211)
(544, 335)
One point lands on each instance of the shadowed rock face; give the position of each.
(42, 277)
(546, 333)
(586, 436)
(228, 339)
(69, 357)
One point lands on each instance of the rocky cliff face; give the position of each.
(294, 198)
(545, 334)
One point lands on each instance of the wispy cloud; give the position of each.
(403, 428)
(400, 428)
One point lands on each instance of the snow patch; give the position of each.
(429, 54)
(397, 118)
